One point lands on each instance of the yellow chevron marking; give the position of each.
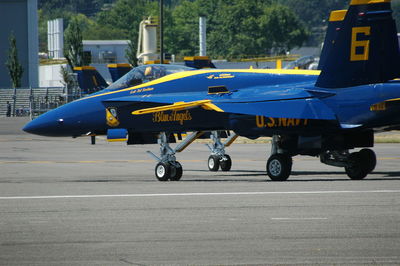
(206, 104)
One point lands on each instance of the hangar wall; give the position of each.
(20, 17)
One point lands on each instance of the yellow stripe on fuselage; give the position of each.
(185, 74)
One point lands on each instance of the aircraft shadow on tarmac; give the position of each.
(246, 176)
(386, 176)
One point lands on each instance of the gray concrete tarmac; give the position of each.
(66, 202)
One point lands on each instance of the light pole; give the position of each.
(162, 31)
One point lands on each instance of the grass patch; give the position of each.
(392, 138)
(379, 138)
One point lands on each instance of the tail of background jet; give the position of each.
(361, 46)
(118, 70)
(89, 79)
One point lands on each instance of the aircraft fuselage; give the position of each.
(353, 106)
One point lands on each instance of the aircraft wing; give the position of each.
(301, 105)
(309, 108)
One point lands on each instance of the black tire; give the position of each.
(356, 168)
(213, 163)
(226, 163)
(163, 171)
(177, 173)
(369, 158)
(279, 167)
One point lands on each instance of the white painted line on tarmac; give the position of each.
(298, 218)
(199, 194)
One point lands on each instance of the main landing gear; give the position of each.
(218, 158)
(279, 165)
(356, 164)
(168, 168)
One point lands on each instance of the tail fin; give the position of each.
(198, 62)
(118, 70)
(89, 79)
(335, 23)
(361, 46)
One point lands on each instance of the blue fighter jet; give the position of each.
(323, 113)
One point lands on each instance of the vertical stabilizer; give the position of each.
(361, 46)
(335, 23)
(118, 70)
(89, 79)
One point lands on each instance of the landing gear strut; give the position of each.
(168, 168)
(218, 158)
(279, 164)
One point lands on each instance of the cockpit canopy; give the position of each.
(145, 73)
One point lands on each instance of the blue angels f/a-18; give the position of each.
(323, 113)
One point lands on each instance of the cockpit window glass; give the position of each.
(145, 73)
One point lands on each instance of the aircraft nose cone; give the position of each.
(42, 126)
(29, 128)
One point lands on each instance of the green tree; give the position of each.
(45, 16)
(73, 47)
(14, 67)
(283, 28)
(396, 12)
(95, 31)
(130, 54)
(182, 30)
(67, 80)
(87, 7)
(238, 34)
(254, 28)
(235, 28)
(126, 15)
(314, 14)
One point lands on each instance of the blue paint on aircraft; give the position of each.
(313, 113)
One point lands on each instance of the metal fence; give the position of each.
(35, 101)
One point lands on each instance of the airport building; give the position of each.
(106, 51)
(20, 18)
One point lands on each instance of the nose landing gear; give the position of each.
(168, 168)
(168, 171)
